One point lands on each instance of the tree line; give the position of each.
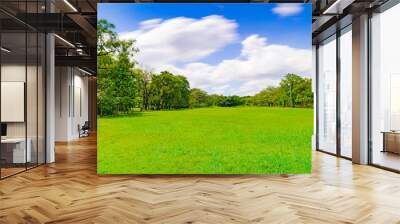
(123, 87)
(293, 91)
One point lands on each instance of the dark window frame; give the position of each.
(339, 32)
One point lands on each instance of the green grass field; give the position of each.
(241, 140)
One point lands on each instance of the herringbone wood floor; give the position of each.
(69, 191)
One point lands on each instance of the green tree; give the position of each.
(117, 86)
(214, 99)
(295, 90)
(270, 96)
(198, 98)
(182, 88)
(168, 91)
(306, 97)
(231, 101)
(144, 79)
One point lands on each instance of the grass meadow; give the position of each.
(217, 140)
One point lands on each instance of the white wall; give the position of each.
(70, 83)
(33, 126)
(80, 94)
(12, 73)
(62, 82)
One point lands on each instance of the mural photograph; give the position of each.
(204, 88)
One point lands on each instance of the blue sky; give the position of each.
(284, 28)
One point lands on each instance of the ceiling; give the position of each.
(74, 22)
(332, 15)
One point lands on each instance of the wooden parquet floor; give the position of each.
(70, 191)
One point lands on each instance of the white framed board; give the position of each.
(12, 101)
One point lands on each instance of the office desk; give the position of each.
(391, 141)
(13, 150)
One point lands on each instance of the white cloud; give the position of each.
(288, 9)
(151, 23)
(254, 86)
(179, 45)
(258, 66)
(181, 39)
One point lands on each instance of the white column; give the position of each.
(50, 100)
(360, 89)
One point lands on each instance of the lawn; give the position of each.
(239, 140)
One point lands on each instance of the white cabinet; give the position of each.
(19, 154)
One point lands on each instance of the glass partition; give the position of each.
(327, 95)
(346, 92)
(385, 89)
(14, 145)
(31, 99)
(22, 77)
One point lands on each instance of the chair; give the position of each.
(84, 130)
